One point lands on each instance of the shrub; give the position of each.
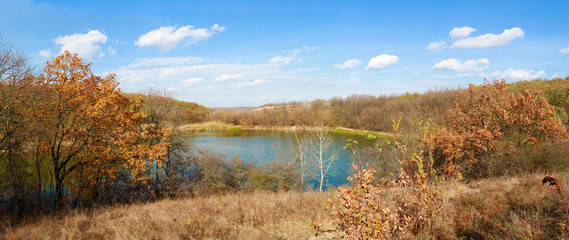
(359, 214)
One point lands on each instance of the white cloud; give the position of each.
(436, 45)
(292, 58)
(45, 53)
(347, 65)
(191, 82)
(517, 74)
(111, 51)
(252, 83)
(283, 60)
(381, 61)
(225, 77)
(490, 40)
(460, 32)
(167, 38)
(164, 61)
(165, 74)
(565, 51)
(453, 64)
(86, 45)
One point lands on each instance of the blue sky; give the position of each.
(248, 53)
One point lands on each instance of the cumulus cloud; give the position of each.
(292, 58)
(45, 53)
(86, 45)
(490, 40)
(460, 32)
(517, 74)
(252, 83)
(164, 61)
(347, 65)
(381, 61)
(453, 64)
(225, 77)
(191, 82)
(436, 45)
(565, 51)
(169, 37)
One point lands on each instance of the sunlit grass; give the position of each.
(209, 126)
(519, 207)
(348, 131)
(260, 215)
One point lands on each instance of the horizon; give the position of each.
(228, 54)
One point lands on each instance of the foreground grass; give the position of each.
(498, 208)
(262, 215)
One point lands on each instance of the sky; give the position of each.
(249, 53)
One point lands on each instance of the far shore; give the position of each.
(216, 126)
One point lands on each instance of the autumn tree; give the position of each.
(87, 123)
(489, 119)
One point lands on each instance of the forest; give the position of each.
(72, 140)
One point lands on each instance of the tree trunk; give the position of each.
(58, 188)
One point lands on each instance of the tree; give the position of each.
(302, 157)
(14, 95)
(489, 119)
(324, 153)
(89, 124)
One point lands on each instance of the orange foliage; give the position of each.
(90, 127)
(487, 117)
(359, 212)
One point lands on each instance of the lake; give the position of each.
(262, 146)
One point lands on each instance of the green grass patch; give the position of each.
(347, 131)
(210, 126)
(234, 128)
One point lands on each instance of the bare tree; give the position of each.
(14, 128)
(324, 153)
(302, 157)
(157, 105)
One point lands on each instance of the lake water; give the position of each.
(262, 146)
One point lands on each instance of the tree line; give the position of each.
(376, 113)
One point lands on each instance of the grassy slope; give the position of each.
(263, 215)
(499, 208)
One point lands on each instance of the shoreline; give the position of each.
(220, 126)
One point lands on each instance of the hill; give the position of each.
(376, 113)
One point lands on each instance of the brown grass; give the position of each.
(495, 208)
(263, 215)
(503, 208)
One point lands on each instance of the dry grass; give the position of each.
(263, 215)
(503, 208)
(497, 208)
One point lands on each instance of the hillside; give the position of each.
(376, 113)
(160, 106)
